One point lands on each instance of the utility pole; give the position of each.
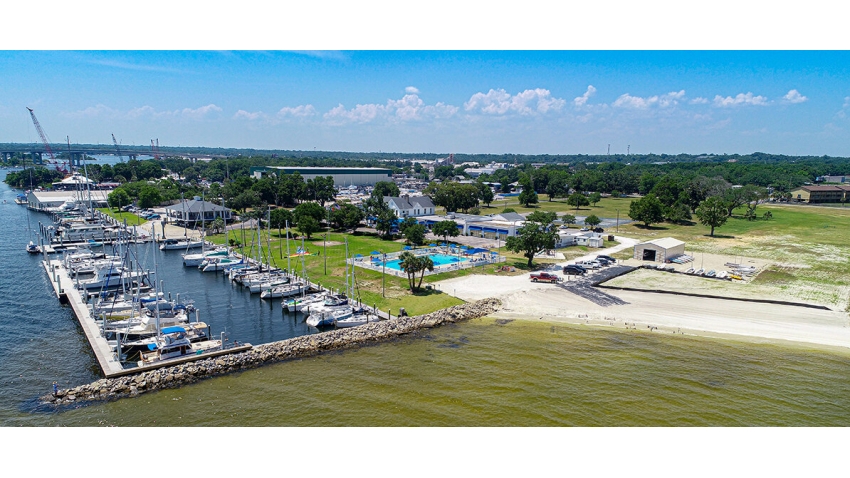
(609, 149)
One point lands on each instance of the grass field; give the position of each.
(132, 219)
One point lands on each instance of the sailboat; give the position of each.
(333, 307)
(194, 260)
(32, 247)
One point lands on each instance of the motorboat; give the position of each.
(110, 278)
(690, 271)
(185, 243)
(283, 291)
(145, 323)
(331, 309)
(710, 273)
(699, 272)
(194, 331)
(360, 317)
(301, 304)
(722, 275)
(33, 248)
(214, 264)
(194, 260)
(259, 284)
(172, 346)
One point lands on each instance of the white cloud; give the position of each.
(846, 102)
(94, 112)
(740, 99)
(412, 90)
(242, 114)
(663, 101)
(582, 100)
(198, 113)
(298, 111)
(794, 97)
(698, 101)
(409, 107)
(528, 102)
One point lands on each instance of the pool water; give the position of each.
(439, 260)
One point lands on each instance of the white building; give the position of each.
(496, 226)
(410, 206)
(579, 238)
(659, 250)
(342, 176)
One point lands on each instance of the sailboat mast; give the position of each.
(288, 260)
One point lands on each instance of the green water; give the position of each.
(486, 373)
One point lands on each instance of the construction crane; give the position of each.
(46, 143)
(120, 158)
(155, 149)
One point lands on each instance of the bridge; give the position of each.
(77, 152)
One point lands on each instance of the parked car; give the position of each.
(590, 264)
(607, 258)
(574, 270)
(545, 277)
(599, 230)
(152, 216)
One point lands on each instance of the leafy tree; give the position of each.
(384, 222)
(528, 197)
(348, 216)
(616, 194)
(677, 213)
(535, 236)
(412, 265)
(245, 199)
(485, 194)
(118, 198)
(280, 217)
(217, 225)
(592, 220)
(767, 215)
(149, 196)
(712, 212)
(307, 225)
(415, 234)
(594, 198)
(446, 229)
(320, 189)
(557, 187)
(647, 210)
(385, 188)
(291, 188)
(404, 224)
(311, 209)
(455, 196)
(508, 209)
(578, 199)
(568, 219)
(736, 197)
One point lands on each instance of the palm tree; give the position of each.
(409, 263)
(425, 263)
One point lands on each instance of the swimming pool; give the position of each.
(439, 260)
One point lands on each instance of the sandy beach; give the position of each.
(656, 312)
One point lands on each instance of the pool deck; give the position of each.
(468, 261)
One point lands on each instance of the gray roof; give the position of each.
(192, 205)
(410, 202)
(510, 216)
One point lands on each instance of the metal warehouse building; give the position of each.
(342, 176)
(659, 250)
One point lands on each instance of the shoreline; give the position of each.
(659, 312)
(645, 328)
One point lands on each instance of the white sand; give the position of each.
(655, 312)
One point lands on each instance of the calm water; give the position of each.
(479, 373)
(439, 260)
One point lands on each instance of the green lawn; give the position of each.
(132, 219)
(328, 268)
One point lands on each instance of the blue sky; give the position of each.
(553, 101)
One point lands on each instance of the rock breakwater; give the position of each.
(175, 376)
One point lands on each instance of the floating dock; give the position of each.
(65, 291)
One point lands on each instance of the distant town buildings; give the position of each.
(343, 177)
(821, 194)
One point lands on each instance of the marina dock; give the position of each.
(109, 363)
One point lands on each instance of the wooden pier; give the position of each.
(109, 363)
